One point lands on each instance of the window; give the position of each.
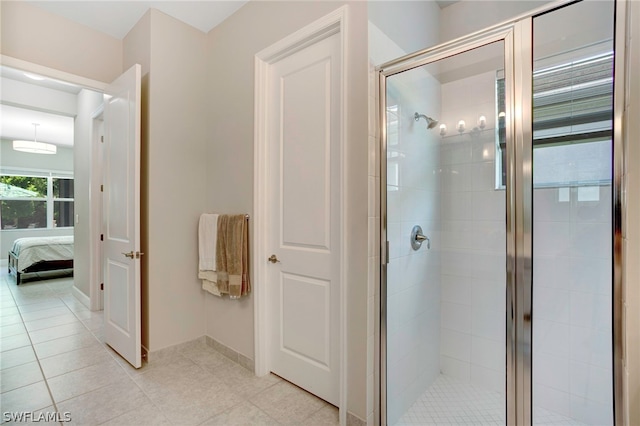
(572, 122)
(35, 200)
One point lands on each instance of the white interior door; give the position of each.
(121, 215)
(304, 234)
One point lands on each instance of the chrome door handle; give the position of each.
(273, 259)
(132, 255)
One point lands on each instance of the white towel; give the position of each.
(207, 241)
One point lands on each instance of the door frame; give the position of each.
(516, 330)
(95, 223)
(329, 25)
(517, 35)
(95, 200)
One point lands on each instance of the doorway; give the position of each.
(497, 282)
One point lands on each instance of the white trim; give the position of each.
(19, 64)
(28, 171)
(333, 23)
(95, 215)
(344, 31)
(83, 298)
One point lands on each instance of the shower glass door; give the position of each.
(497, 285)
(446, 283)
(572, 215)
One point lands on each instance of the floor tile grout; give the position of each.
(52, 296)
(46, 383)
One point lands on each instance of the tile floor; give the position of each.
(449, 401)
(53, 359)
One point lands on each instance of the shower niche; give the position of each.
(499, 148)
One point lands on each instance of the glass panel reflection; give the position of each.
(572, 157)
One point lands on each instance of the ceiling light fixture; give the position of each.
(33, 76)
(34, 147)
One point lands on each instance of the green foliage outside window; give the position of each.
(24, 202)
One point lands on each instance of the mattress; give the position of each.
(32, 250)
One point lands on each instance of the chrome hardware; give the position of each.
(132, 255)
(417, 238)
(273, 259)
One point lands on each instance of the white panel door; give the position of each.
(121, 216)
(304, 232)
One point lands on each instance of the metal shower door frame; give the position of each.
(517, 36)
(518, 253)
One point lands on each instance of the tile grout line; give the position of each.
(44, 379)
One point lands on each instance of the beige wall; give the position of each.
(468, 16)
(231, 51)
(174, 166)
(34, 35)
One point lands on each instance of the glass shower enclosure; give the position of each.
(497, 225)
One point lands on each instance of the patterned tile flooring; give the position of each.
(53, 360)
(452, 402)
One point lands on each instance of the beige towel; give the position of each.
(232, 255)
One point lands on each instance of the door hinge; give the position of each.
(102, 139)
(101, 188)
(101, 237)
(101, 286)
(386, 253)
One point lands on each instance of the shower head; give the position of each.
(431, 123)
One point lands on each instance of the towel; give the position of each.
(207, 241)
(232, 255)
(207, 237)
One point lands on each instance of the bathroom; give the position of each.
(454, 206)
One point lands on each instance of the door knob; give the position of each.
(273, 259)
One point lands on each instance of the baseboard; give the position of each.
(168, 352)
(353, 420)
(238, 358)
(83, 298)
(234, 356)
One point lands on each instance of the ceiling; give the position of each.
(18, 123)
(116, 18)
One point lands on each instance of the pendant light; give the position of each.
(34, 146)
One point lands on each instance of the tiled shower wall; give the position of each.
(572, 344)
(413, 198)
(472, 345)
(572, 270)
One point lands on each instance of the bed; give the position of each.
(39, 254)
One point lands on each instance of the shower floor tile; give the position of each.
(449, 401)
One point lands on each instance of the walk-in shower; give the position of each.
(497, 280)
